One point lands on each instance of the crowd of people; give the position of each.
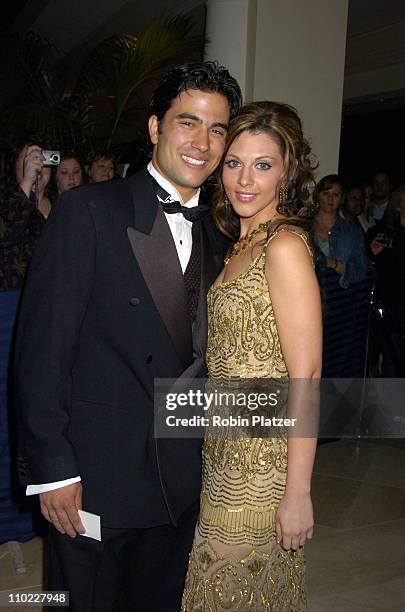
(115, 296)
(359, 232)
(27, 196)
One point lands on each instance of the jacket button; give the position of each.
(134, 301)
(149, 359)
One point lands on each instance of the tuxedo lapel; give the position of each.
(154, 249)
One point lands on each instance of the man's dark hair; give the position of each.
(354, 184)
(381, 171)
(204, 76)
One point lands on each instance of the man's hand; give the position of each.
(33, 164)
(378, 244)
(336, 264)
(60, 507)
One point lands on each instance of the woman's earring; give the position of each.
(227, 203)
(282, 207)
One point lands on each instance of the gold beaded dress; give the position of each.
(235, 562)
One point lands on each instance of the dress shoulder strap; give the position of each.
(292, 230)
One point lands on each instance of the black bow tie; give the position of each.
(191, 214)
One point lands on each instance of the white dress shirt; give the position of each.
(179, 226)
(378, 210)
(181, 232)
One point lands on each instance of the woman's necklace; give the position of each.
(246, 241)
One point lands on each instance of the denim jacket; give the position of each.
(346, 242)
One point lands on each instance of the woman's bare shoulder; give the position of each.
(287, 234)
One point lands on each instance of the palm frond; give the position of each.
(119, 65)
(30, 57)
(59, 128)
(115, 68)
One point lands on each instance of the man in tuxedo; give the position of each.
(115, 298)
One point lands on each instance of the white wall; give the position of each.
(289, 51)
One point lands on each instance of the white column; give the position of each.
(290, 51)
(300, 58)
(231, 32)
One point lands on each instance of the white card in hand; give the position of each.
(91, 523)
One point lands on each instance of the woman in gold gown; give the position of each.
(264, 322)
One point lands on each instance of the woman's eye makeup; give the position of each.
(232, 163)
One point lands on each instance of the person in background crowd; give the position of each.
(100, 166)
(353, 207)
(382, 187)
(342, 270)
(24, 207)
(23, 210)
(340, 242)
(33, 186)
(69, 173)
(387, 247)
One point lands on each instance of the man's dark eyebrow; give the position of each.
(188, 116)
(224, 126)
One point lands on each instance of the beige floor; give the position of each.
(356, 560)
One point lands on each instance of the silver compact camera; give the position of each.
(52, 158)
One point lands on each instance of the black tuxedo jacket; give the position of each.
(103, 313)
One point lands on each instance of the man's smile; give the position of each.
(194, 161)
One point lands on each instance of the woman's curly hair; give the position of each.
(282, 123)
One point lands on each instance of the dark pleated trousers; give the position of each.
(140, 570)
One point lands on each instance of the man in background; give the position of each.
(382, 188)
